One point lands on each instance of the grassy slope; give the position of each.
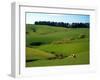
(36, 54)
(53, 34)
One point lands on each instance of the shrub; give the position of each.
(82, 36)
(52, 52)
(27, 32)
(36, 43)
(34, 30)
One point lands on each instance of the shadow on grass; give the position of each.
(32, 60)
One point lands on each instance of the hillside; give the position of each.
(61, 46)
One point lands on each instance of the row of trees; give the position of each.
(62, 24)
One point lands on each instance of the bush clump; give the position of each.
(27, 32)
(81, 36)
(36, 43)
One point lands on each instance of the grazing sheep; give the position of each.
(74, 55)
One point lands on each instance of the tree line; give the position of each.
(62, 24)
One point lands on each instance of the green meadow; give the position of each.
(56, 46)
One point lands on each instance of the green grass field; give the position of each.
(53, 46)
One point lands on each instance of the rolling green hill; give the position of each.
(52, 46)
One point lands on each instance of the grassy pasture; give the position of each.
(59, 46)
